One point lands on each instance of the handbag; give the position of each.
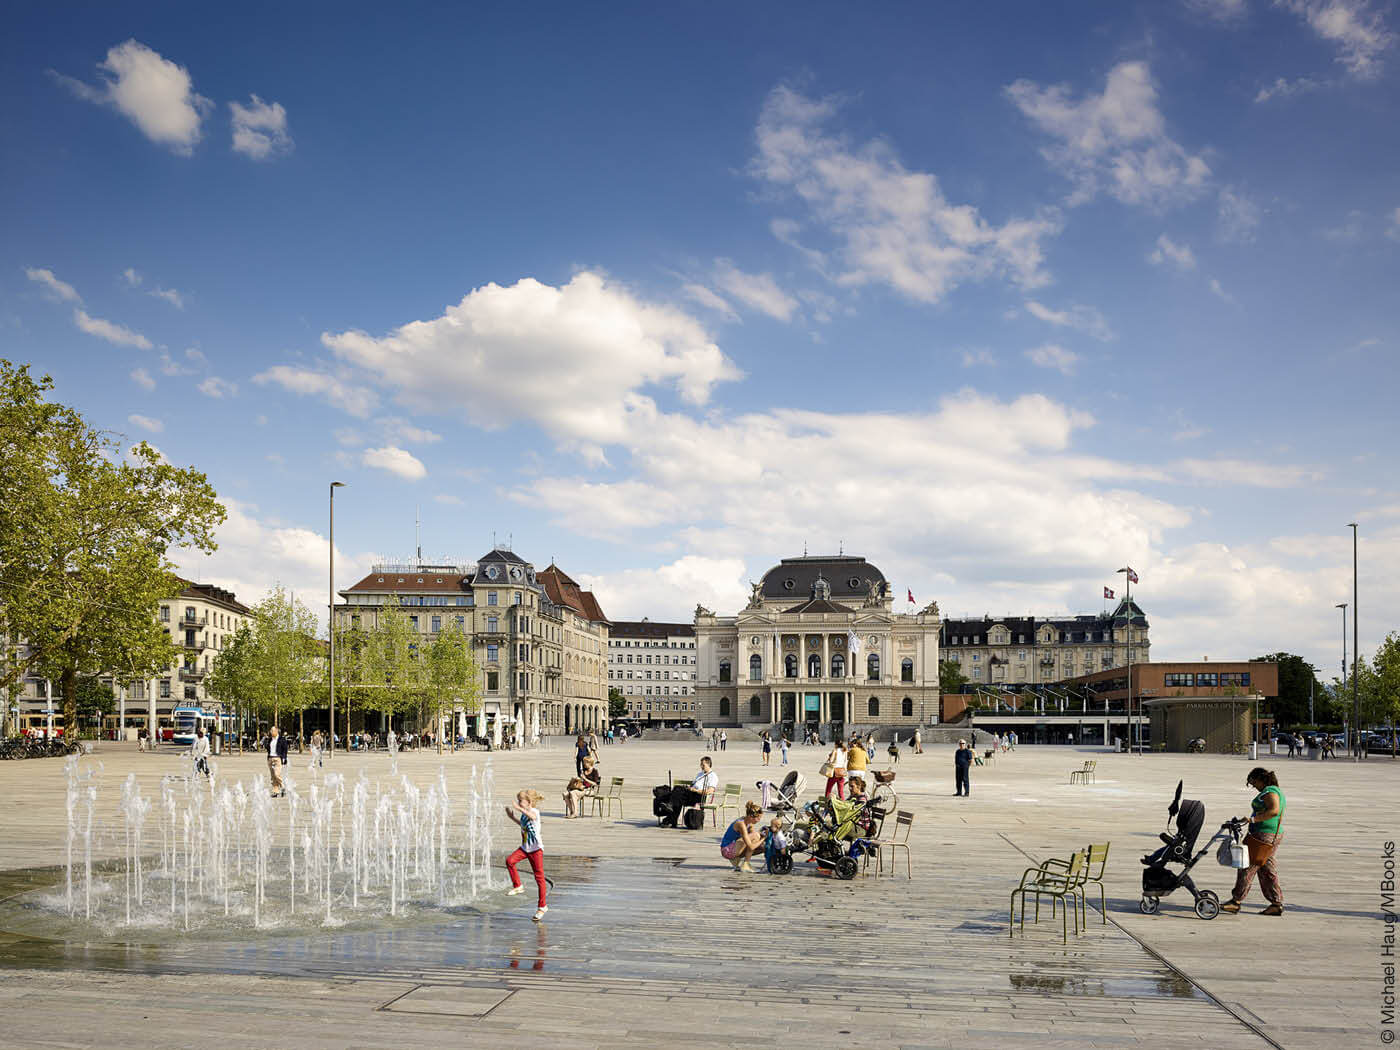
(1260, 852)
(826, 770)
(1231, 853)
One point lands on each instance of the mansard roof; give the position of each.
(849, 576)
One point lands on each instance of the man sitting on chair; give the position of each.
(697, 792)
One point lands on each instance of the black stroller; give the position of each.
(1158, 879)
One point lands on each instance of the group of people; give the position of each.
(1298, 746)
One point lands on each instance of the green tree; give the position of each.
(94, 701)
(86, 528)
(950, 676)
(1297, 679)
(284, 666)
(233, 679)
(617, 704)
(389, 676)
(452, 680)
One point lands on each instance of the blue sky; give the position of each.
(1002, 300)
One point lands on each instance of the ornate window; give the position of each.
(838, 666)
(724, 671)
(724, 707)
(814, 666)
(906, 670)
(906, 707)
(872, 667)
(790, 665)
(755, 708)
(755, 668)
(873, 707)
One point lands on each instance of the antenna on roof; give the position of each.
(418, 531)
(804, 548)
(493, 539)
(840, 547)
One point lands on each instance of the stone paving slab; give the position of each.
(893, 962)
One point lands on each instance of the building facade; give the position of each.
(653, 666)
(819, 646)
(540, 642)
(1030, 650)
(202, 620)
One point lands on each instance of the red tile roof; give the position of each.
(562, 589)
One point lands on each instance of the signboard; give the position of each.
(812, 702)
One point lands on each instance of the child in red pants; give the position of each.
(531, 848)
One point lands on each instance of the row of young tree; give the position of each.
(276, 668)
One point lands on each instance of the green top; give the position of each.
(1269, 826)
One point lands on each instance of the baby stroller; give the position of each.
(837, 833)
(783, 797)
(1158, 879)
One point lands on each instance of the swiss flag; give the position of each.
(1132, 576)
(911, 596)
(1107, 592)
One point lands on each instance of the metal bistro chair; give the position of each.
(1062, 882)
(899, 839)
(731, 799)
(614, 795)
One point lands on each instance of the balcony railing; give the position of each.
(188, 675)
(194, 643)
(194, 621)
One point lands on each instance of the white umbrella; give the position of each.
(535, 723)
(519, 726)
(481, 724)
(496, 731)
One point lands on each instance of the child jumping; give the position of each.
(531, 848)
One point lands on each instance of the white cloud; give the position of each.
(260, 129)
(670, 590)
(891, 226)
(155, 426)
(1081, 318)
(58, 290)
(1168, 251)
(1247, 472)
(711, 300)
(218, 388)
(255, 554)
(133, 279)
(1218, 290)
(143, 379)
(756, 290)
(109, 330)
(1052, 356)
(1237, 216)
(1285, 88)
(395, 461)
(1225, 11)
(1115, 141)
(154, 93)
(978, 356)
(356, 400)
(170, 295)
(448, 499)
(572, 358)
(398, 429)
(1358, 32)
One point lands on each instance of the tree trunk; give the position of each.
(68, 687)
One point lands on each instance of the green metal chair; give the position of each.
(1061, 881)
(614, 795)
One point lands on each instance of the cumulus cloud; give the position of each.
(260, 129)
(670, 591)
(1052, 356)
(109, 330)
(256, 553)
(1085, 319)
(1282, 87)
(60, 291)
(758, 291)
(890, 225)
(356, 400)
(399, 429)
(1353, 27)
(1167, 251)
(396, 461)
(170, 295)
(143, 379)
(571, 358)
(217, 388)
(1115, 141)
(154, 426)
(155, 94)
(710, 299)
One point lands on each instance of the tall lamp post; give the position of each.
(1128, 577)
(1343, 607)
(1355, 646)
(330, 615)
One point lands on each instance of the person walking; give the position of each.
(857, 760)
(276, 760)
(767, 747)
(1262, 842)
(783, 746)
(1292, 746)
(200, 752)
(581, 752)
(318, 742)
(527, 815)
(835, 769)
(723, 740)
(962, 768)
(918, 742)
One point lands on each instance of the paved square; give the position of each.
(651, 940)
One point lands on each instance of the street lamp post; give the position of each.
(1343, 607)
(330, 617)
(1355, 646)
(1128, 577)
